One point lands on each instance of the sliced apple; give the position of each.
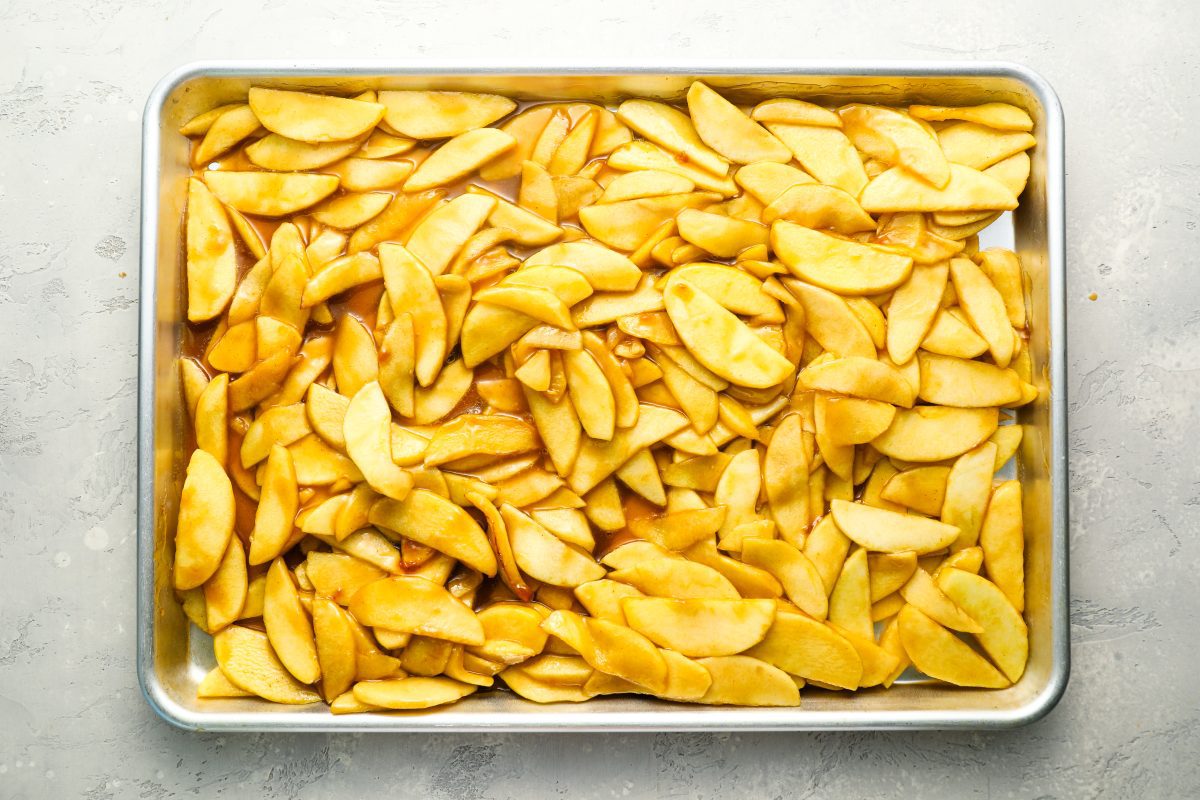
(672, 129)
(459, 157)
(968, 190)
(860, 377)
(274, 519)
(896, 139)
(1002, 538)
(411, 604)
(841, 266)
(940, 654)
(698, 627)
(825, 153)
(366, 427)
(886, 531)
(246, 658)
(810, 649)
(985, 308)
(441, 115)
(1003, 634)
(543, 556)
(912, 310)
(211, 256)
(270, 194)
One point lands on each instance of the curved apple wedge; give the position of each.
(432, 520)
(940, 654)
(811, 649)
(411, 693)
(310, 117)
(246, 658)
(410, 604)
(205, 524)
(747, 681)
(884, 531)
(367, 428)
(700, 627)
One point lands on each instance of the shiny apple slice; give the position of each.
(544, 557)
(985, 308)
(211, 256)
(817, 206)
(968, 190)
(411, 604)
(700, 627)
(440, 115)
(270, 194)
(825, 153)
(434, 521)
(723, 127)
(847, 268)
(288, 626)
(810, 649)
(459, 157)
(366, 427)
(604, 269)
(1003, 634)
(795, 112)
(671, 577)
(246, 658)
(411, 290)
(940, 654)
(860, 377)
(642, 155)
(884, 531)
(313, 117)
(672, 129)
(896, 139)
(629, 223)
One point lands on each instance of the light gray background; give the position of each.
(73, 79)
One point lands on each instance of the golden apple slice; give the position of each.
(978, 146)
(479, 434)
(720, 341)
(605, 307)
(859, 377)
(967, 384)
(853, 420)
(629, 223)
(205, 524)
(532, 301)
(335, 648)
(672, 129)
(599, 459)
(274, 520)
(543, 556)
(397, 364)
(886, 531)
(994, 115)
(440, 115)
(850, 600)
(738, 490)
(645, 183)
(351, 210)
(384, 145)
(825, 153)
(326, 412)
(317, 464)
(810, 649)
(559, 428)
(746, 681)
(766, 181)
(227, 129)
(785, 471)
(246, 658)
(411, 290)
(723, 127)
(922, 489)
(602, 599)
(212, 418)
(940, 654)
(411, 693)
(441, 234)
(367, 428)
(401, 212)
(679, 530)
(270, 194)
(313, 117)
(985, 308)
(1002, 538)
(355, 362)
(795, 112)
(572, 152)
(236, 350)
(338, 576)
(279, 153)
(889, 572)
(443, 395)
(411, 604)
(700, 627)
(642, 155)
(604, 269)
(921, 591)
(686, 681)
(936, 433)
(894, 138)
(434, 521)
(968, 190)
(288, 626)
(1003, 269)
(698, 401)
(831, 321)
(534, 690)
(841, 266)
(524, 227)
(814, 205)
(459, 157)
(279, 425)
(724, 237)
(968, 487)
(225, 591)
(211, 256)
(1003, 635)
(826, 547)
(368, 175)
(669, 577)
(912, 310)
(736, 290)
(200, 124)
(798, 576)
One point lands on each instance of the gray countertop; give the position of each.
(73, 78)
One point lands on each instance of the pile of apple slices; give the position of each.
(703, 402)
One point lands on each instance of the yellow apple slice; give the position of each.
(985, 308)
(746, 681)
(288, 626)
(831, 322)
(274, 520)
(270, 194)
(720, 341)
(279, 425)
(921, 592)
(825, 153)
(225, 591)
(700, 627)
(817, 206)
(841, 266)
(441, 234)
(853, 420)
(922, 489)
(968, 190)
(668, 577)
(960, 382)
(894, 138)
(766, 181)
(629, 223)
(795, 112)
(936, 433)
(1003, 634)
(543, 556)
(785, 473)
(366, 427)
(313, 117)
(723, 127)
(979, 146)
(860, 377)
(411, 604)
(810, 649)
(459, 157)
(1003, 541)
(940, 654)
(885, 531)
(436, 522)
(724, 237)
(798, 576)
(246, 658)
(281, 154)
(912, 310)
(440, 115)
(411, 693)
(211, 256)
(994, 115)
(229, 128)
(351, 210)
(599, 459)
(673, 130)
(411, 290)
(604, 269)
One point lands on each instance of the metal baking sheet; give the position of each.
(173, 656)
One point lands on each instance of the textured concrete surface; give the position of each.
(73, 78)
